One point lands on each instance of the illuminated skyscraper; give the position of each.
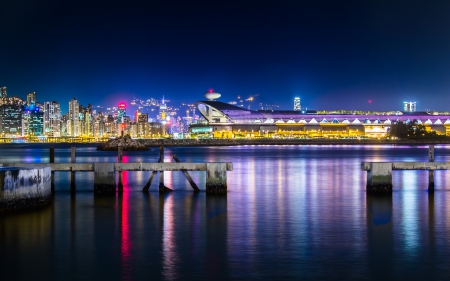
(3, 95)
(11, 120)
(162, 110)
(32, 121)
(297, 105)
(121, 112)
(52, 119)
(73, 122)
(31, 98)
(409, 106)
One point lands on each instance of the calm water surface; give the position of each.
(291, 212)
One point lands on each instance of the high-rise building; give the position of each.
(32, 121)
(409, 106)
(3, 92)
(85, 118)
(297, 105)
(52, 119)
(11, 120)
(3, 95)
(31, 98)
(64, 122)
(73, 122)
(121, 112)
(98, 124)
(142, 125)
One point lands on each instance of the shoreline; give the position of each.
(242, 142)
(234, 142)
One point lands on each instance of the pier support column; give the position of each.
(216, 177)
(379, 177)
(73, 159)
(52, 160)
(23, 187)
(431, 172)
(104, 179)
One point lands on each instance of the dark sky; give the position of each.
(332, 54)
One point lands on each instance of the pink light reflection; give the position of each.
(125, 249)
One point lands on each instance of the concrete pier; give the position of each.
(379, 174)
(216, 178)
(22, 187)
(379, 177)
(104, 178)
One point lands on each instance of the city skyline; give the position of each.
(324, 52)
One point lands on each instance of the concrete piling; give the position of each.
(52, 160)
(162, 187)
(186, 174)
(119, 159)
(431, 172)
(73, 152)
(379, 177)
(23, 187)
(104, 179)
(216, 178)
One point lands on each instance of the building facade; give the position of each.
(224, 120)
(52, 119)
(73, 124)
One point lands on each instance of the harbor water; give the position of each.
(291, 213)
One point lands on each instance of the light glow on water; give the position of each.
(292, 212)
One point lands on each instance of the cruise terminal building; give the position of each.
(223, 120)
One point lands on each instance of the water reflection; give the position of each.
(379, 236)
(292, 212)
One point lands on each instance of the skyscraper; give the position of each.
(3, 92)
(11, 120)
(73, 124)
(409, 106)
(32, 121)
(297, 105)
(52, 119)
(3, 95)
(31, 98)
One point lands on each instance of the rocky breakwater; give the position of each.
(126, 142)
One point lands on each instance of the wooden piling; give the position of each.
(431, 172)
(73, 152)
(52, 175)
(186, 174)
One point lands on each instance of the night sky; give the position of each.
(332, 54)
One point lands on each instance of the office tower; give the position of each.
(73, 122)
(85, 119)
(31, 98)
(11, 120)
(142, 125)
(3, 95)
(409, 106)
(3, 92)
(32, 121)
(297, 105)
(52, 119)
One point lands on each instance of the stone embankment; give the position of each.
(234, 142)
(127, 143)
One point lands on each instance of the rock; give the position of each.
(127, 143)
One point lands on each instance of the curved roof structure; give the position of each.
(219, 112)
